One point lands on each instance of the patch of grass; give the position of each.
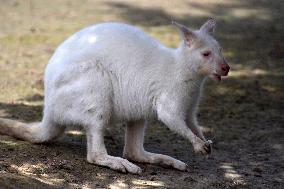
(12, 145)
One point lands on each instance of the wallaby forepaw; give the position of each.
(205, 148)
(208, 144)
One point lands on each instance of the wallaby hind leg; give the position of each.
(97, 152)
(134, 150)
(39, 132)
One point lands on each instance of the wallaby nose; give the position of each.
(225, 69)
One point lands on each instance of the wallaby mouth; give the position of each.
(217, 77)
(223, 70)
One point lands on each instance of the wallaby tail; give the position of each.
(33, 132)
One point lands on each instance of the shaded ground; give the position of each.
(243, 115)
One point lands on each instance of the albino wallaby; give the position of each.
(113, 72)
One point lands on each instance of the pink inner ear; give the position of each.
(188, 40)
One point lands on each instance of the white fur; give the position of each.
(114, 72)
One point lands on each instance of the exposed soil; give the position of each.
(243, 115)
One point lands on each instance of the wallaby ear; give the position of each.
(209, 26)
(187, 34)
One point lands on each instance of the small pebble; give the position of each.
(258, 169)
(189, 179)
(152, 178)
(153, 173)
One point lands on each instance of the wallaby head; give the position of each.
(201, 51)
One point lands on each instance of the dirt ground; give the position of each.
(243, 115)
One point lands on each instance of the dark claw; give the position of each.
(207, 150)
(208, 145)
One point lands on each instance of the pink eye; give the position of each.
(206, 54)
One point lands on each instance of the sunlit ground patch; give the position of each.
(231, 174)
